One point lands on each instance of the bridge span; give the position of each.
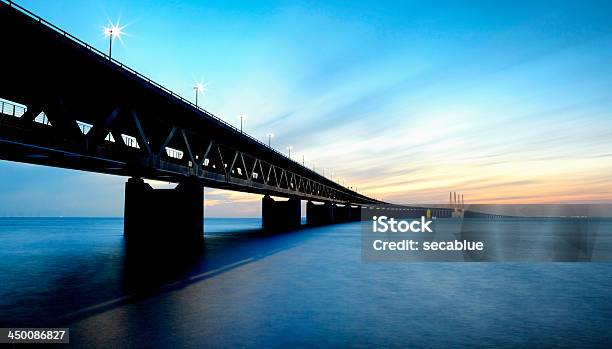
(66, 104)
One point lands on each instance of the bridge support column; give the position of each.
(163, 215)
(319, 214)
(281, 215)
(355, 213)
(342, 214)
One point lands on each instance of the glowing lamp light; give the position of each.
(111, 32)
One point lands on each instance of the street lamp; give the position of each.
(242, 117)
(289, 149)
(270, 136)
(199, 88)
(112, 31)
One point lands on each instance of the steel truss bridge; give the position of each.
(66, 104)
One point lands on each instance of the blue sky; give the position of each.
(408, 100)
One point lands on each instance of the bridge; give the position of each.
(66, 104)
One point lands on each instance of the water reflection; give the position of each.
(152, 269)
(56, 271)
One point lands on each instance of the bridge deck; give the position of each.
(101, 116)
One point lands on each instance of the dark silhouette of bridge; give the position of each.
(69, 105)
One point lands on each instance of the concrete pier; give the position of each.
(355, 213)
(280, 215)
(319, 214)
(329, 213)
(163, 215)
(342, 214)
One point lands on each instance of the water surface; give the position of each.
(305, 288)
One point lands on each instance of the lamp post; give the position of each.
(270, 136)
(242, 117)
(199, 88)
(111, 32)
(289, 149)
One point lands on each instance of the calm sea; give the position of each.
(306, 288)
